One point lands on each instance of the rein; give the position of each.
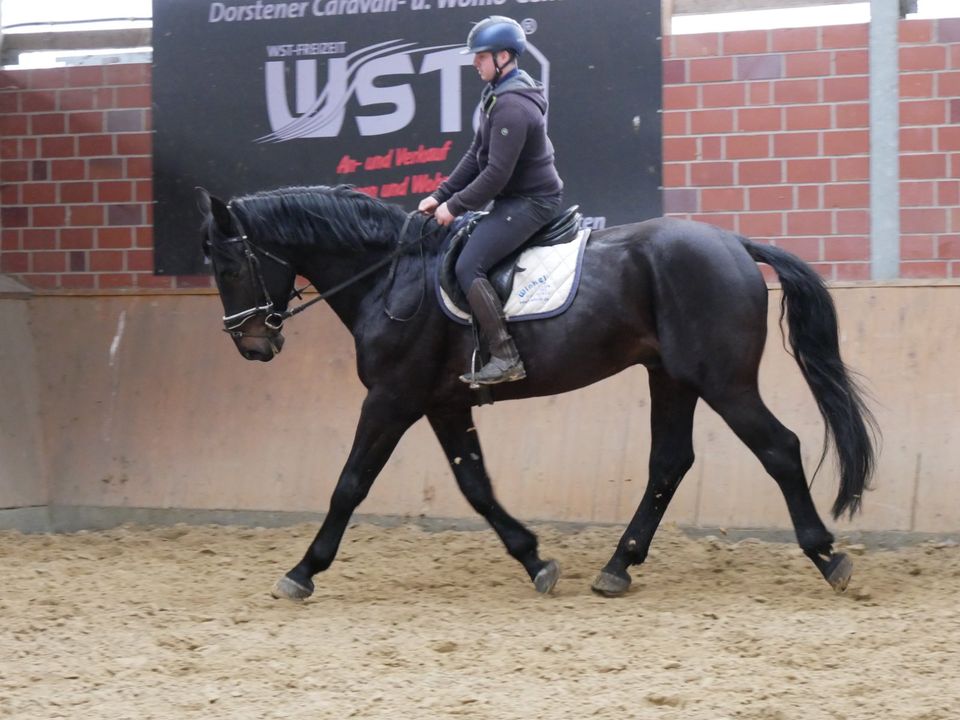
(274, 320)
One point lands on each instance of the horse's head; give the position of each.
(255, 285)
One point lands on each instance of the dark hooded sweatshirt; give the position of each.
(510, 154)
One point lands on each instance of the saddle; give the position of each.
(562, 229)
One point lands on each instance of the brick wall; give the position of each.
(765, 132)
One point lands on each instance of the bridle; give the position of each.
(272, 318)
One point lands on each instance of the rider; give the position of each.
(511, 163)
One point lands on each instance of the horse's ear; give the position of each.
(203, 200)
(221, 215)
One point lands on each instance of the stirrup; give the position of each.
(510, 373)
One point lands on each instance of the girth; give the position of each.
(562, 229)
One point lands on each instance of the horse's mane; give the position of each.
(342, 218)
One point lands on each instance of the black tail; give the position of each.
(812, 319)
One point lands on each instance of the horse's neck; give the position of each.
(328, 272)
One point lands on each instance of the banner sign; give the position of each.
(254, 95)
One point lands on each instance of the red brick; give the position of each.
(9, 148)
(797, 144)
(49, 262)
(135, 96)
(916, 139)
(68, 170)
(948, 138)
(10, 239)
(77, 281)
(9, 103)
(144, 191)
(675, 122)
(39, 193)
(746, 42)
(95, 145)
(761, 224)
(728, 221)
(923, 112)
(746, 146)
(711, 148)
(917, 247)
(88, 76)
(918, 194)
(846, 36)
(42, 281)
(851, 62)
(916, 85)
(846, 142)
(703, 45)
(759, 172)
(839, 248)
(948, 246)
(853, 115)
(674, 72)
(80, 123)
(106, 260)
(948, 193)
(128, 74)
(721, 199)
(923, 166)
(924, 57)
(140, 260)
(853, 221)
(711, 122)
(106, 168)
(846, 89)
(675, 175)
(11, 171)
(813, 170)
(774, 197)
(9, 195)
(115, 191)
(810, 223)
(915, 31)
(76, 192)
(814, 64)
(38, 102)
(763, 119)
(851, 271)
(923, 270)
(809, 197)
(846, 195)
(676, 97)
(926, 220)
(47, 124)
(790, 92)
(114, 238)
(711, 173)
(45, 79)
(49, 216)
(58, 147)
(86, 215)
(77, 100)
(76, 238)
(710, 70)
(113, 281)
(760, 93)
(153, 282)
(15, 263)
(794, 39)
(143, 237)
(808, 117)
(948, 84)
(39, 239)
(852, 168)
(676, 149)
(730, 94)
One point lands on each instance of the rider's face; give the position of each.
(483, 62)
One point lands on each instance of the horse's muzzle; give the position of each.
(261, 347)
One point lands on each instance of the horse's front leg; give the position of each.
(457, 435)
(380, 428)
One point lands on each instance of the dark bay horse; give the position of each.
(684, 299)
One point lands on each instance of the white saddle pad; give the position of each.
(544, 285)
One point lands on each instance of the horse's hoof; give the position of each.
(610, 585)
(839, 570)
(547, 577)
(289, 589)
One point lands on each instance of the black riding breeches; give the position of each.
(510, 223)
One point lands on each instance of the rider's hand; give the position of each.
(443, 215)
(428, 205)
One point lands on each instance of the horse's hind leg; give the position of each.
(457, 435)
(671, 455)
(779, 450)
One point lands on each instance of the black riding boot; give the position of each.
(505, 364)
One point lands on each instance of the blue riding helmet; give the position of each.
(496, 33)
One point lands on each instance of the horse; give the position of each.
(684, 299)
